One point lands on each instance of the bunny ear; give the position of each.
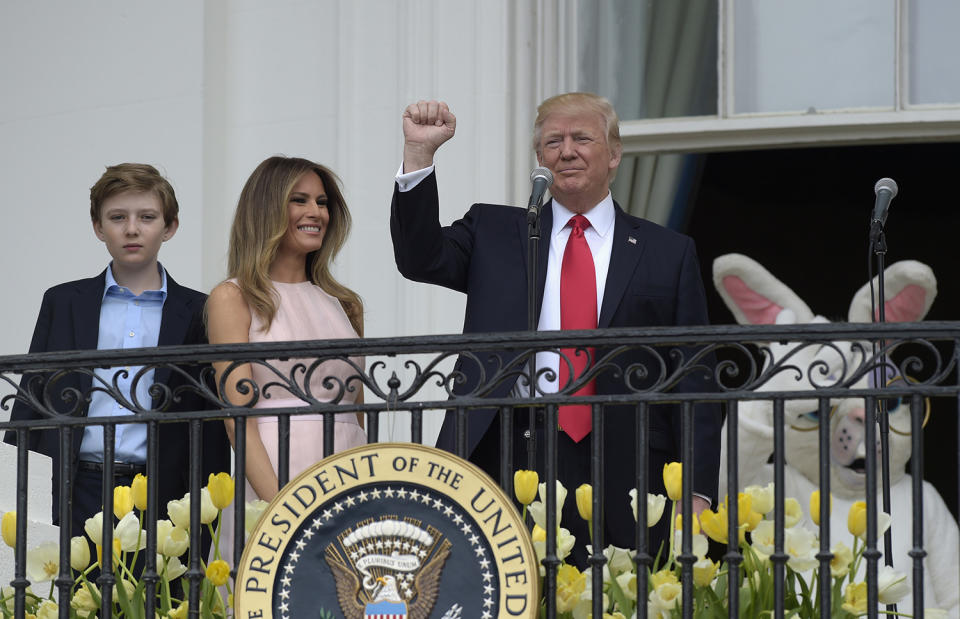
(752, 294)
(909, 290)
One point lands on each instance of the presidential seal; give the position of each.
(389, 530)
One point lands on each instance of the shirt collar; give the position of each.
(110, 283)
(600, 217)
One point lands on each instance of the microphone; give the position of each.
(541, 178)
(886, 190)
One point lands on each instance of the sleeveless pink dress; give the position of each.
(304, 312)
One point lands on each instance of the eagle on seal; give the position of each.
(356, 602)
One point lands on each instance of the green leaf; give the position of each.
(620, 599)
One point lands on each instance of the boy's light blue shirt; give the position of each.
(126, 321)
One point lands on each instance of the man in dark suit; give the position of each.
(636, 274)
(133, 303)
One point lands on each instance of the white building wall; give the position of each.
(205, 91)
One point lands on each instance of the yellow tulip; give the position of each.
(122, 501)
(815, 506)
(857, 518)
(746, 516)
(680, 520)
(139, 488)
(525, 486)
(585, 501)
(855, 598)
(661, 577)
(8, 526)
(218, 572)
(539, 534)
(221, 489)
(762, 497)
(570, 585)
(117, 549)
(703, 572)
(673, 480)
(714, 524)
(180, 612)
(627, 582)
(83, 601)
(842, 558)
(665, 598)
(48, 610)
(792, 512)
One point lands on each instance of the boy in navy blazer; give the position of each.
(134, 303)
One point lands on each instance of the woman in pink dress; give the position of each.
(291, 221)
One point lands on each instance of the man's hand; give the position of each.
(699, 504)
(426, 125)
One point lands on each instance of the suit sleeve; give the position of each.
(38, 344)
(424, 250)
(692, 310)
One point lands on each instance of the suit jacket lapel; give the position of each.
(546, 236)
(625, 254)
(174, 322)
(87, 314)
(86, 336)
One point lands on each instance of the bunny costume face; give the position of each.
(754, 296)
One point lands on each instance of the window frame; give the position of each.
(730, 131)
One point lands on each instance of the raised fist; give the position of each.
(426, 125)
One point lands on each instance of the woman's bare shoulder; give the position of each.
(228, 316)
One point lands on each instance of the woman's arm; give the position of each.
(228, 322)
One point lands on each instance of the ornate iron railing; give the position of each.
(741, 366)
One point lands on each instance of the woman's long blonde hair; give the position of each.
(260, 223)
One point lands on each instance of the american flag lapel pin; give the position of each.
(631, 240)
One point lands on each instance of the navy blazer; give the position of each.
(653, 280)
(69, 319)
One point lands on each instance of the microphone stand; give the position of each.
(878, 244)
(533, 254)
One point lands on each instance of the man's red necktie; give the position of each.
(578, 310)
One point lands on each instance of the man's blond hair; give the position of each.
(578, 102)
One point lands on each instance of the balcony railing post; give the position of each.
(871, 553)
(194, 572)
(597, 559)
(779, 557)
(687, 558)
(150, 576)
(551, 561)
(20, 581)
(506, 450)
(283, 450)
(642, 560)
(106, 580)
(240, 490)
(825, 556)
(917, 553)
(733, 557)
(416, 424)
(461, 431)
